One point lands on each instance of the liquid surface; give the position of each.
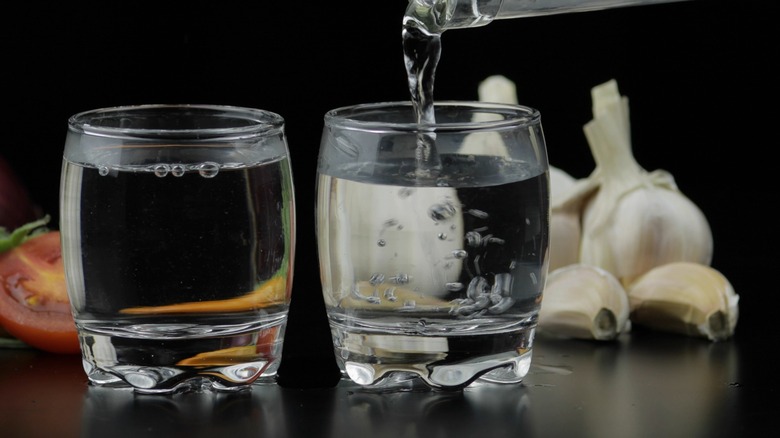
(178, 273)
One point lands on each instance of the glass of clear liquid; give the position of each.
(177, 225)
(433, 241)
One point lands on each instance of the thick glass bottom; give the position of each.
(161, 365)
(392, 361)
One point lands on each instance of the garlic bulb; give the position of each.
(636, 220)
(687, 298)
(585, 302)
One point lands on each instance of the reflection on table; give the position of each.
(643, 384)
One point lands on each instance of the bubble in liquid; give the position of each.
(103, 170)
(477, 287)
(381, 242)
(442, 236)
(503, 284)
(161, 170)
(400, 278)
(376, 279)
(473, 238)
(502, 306)
(177, 170)
(405, 192)
(443, 211)
(478, 213)
(390, 223)
(453, 287)
(209, 169)
(460, 254)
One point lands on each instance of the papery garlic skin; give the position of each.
(687, 298)
(636, 220)
(584, 302)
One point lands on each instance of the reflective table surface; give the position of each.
(644, 384)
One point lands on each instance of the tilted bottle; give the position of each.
(441, 15)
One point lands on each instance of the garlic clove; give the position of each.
(560, 183)
(584, 302)
(566, 205)
(565, 235)
(498, 89)
(687, 298)
(565, 230)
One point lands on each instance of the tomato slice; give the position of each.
(34, 305)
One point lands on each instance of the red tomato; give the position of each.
(34, 305)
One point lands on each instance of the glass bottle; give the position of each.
(440, 15)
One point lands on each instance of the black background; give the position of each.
(700, 76)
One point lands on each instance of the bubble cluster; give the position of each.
(487, 292)
(376, 279)
(400, 278)
(208, 169)
(481, 298)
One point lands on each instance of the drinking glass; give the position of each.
(433, 242)
(177, 225)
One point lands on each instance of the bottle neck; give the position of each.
(530, 8)
(436, 16)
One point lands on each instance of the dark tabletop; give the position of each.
(643, 384)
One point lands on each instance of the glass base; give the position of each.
(164, 366)
(393, 362)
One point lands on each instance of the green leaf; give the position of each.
(11, 240)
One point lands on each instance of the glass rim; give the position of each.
(515, 116)
(255, 122)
